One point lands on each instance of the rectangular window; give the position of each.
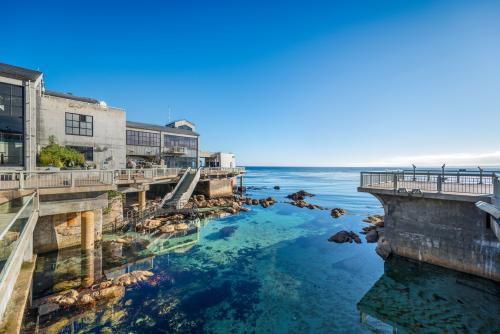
(11, 125)
(79, 125)
(87, 151)
(141, 138)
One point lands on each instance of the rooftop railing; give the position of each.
(13, 180)
(462, 182)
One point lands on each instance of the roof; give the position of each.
(155, 127)
(20, 73)
(71, 97)
(174, 123)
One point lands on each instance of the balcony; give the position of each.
(176, 150)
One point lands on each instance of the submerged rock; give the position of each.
(277, 188)
(372, 236)
(337, 212)
(345, 236)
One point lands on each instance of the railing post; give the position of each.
(496, 185)
(458, 177)
(21, 180)
(72, 180)
(395, 181)
(439, 183)
(361, 179)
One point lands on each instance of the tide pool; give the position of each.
(271, 271)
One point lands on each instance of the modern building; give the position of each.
(29, 115)
(20, 91)
(218, 159)
(174, 145)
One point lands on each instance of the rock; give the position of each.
(181, 227)
(169, 228)
(376, 220)
(337, 212)
(367, 229)
(255, 201)
(371, 236)
(264, 204)
(277, 188)
(383, 249)
(115, 291)
(152, 223)
(227, 231)
(299, 195)
(86, 299)
(345, 236)
(245, 209)
(199, 198)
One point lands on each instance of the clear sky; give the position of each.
(308, 83)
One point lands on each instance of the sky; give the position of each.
(283, 83)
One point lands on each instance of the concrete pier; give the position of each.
(439, 227)
(87, 230)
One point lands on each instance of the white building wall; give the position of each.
(227, 160)
(108, 138)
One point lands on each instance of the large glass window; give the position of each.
(87, 151)
(11, 125)
(180, 141)
(80, 125)
(141, 138)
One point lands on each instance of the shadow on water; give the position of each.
(413, 297)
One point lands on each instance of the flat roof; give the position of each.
(21, 73)
(71, 97)
(154, 127)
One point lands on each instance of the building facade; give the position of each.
(86, 125)
(218, 159)
(174, 145)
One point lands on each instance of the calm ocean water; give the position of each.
(273, 271)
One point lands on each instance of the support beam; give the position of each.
(87, 230)
(142, 200)
(241, 183)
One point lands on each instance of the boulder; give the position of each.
(264, 204)
(245, 209)
(372, 236)
(277, 188)
(337, 212)
(86, 299)
(181, 227)
(376, 220)
(255, 201)
(152, 223)
(169, 228)
(345, 236)
(115, 291)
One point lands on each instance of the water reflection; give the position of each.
(73, 269)
(413, 297)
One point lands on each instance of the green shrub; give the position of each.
(60, 156)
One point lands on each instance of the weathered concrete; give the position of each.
(87, 233)
(215, 187)
(57, 231)
(108, 139)
(13, 318)
(142, 200)
(450, 233)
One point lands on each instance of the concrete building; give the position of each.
(86, 125)
(29, 115)
(174, 145)
(218, 159)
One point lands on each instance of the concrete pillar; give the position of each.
(241, 183)
(142, 200)
(87, 230)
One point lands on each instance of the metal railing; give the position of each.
(10, 232)
(464, 182)
(12, 180)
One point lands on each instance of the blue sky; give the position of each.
(307, 83)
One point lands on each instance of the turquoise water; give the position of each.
(272, 271)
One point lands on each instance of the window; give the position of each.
(11, 125)
(141, 138)
(179, 141)
(79, 125)
(87, 151)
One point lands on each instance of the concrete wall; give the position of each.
(215, 188)
(450, 233)
(59, 231)
(108, 138)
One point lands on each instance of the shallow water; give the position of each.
(270, 271)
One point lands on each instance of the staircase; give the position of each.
(181, 194)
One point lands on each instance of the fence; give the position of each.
(480, 183)
(10, 180)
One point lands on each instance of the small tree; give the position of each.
(60, 156)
